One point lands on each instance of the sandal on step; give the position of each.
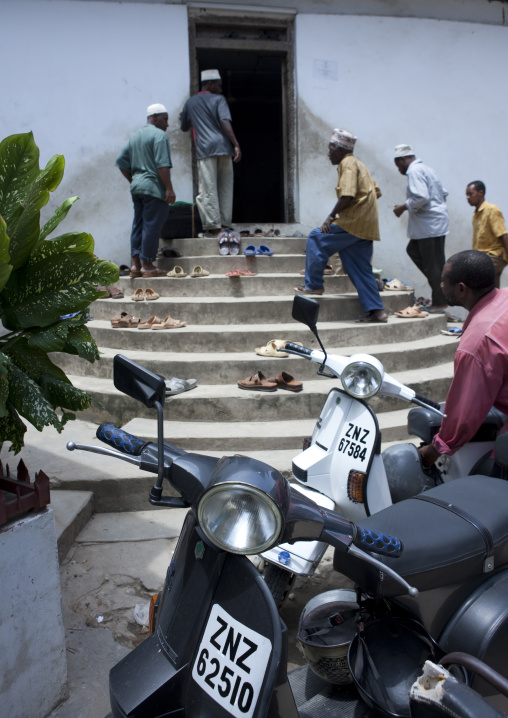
(395, 285)
(125, 321)
(168, 323)
(223, 242)
(139, 295)
(286, 381)
(124, 270)
(234, 243)
(257, 382)
(199, 272)
(150, 295)
(412, 313)
(246, 273)
(178, 386)
(177, 271)
(149, 322)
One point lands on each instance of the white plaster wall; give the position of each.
(80, 75)
(436, 85)
(33, 678)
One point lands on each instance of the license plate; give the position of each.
(356, 442)
(231, 663)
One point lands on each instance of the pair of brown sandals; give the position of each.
(259, 382)
(127, 321)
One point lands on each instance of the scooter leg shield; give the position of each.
(218, 648)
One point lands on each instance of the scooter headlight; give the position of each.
(239, 518)
(363, 376)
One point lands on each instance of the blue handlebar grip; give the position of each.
(377, 542)
(120, 439)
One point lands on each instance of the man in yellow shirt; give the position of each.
(350, 229)
(489, 229)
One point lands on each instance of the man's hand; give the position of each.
(238, 154)
(326, 226)
(429, 454)
(170, 196)
(399, 210)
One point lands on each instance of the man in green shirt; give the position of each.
(145, 162)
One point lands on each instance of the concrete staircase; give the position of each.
(226, 319)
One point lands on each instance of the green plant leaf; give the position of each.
(80, 342)
(59, 215)
(66, 283)
(19, 168)
(26, 397)
(5, 267)
(4, 383)
(24, 231)
(64, 394)
(12, 429)
(70, 242)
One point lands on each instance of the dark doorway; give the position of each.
(252, 85)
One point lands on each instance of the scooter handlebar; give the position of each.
(429, 402)
(377, 542)
(120, 439)
(297, 349)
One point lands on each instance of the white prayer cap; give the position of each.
(156, 109)
(403, 151)
(208, 75)
(343, 139)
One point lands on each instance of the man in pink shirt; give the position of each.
(481, 360)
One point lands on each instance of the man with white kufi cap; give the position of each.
(428, 222)
(350, 229)
(207, 113)
(145, 161)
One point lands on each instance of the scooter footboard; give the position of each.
(219, 646)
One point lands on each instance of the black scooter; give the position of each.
(438, 561)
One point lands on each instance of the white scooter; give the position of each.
(343, 469)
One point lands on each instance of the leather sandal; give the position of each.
(125, 321)
(149, 322)
(412, 313)
(168, 323)
(286, 381)
(257, 382)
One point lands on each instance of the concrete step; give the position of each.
(276, 284)
(229, 403)
(198, 247)
(213, 367)
(73, 510)
(218, 265)
(252, 435)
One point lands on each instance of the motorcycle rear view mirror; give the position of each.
(306, 311)
(137, 382)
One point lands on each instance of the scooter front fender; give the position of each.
(158, 678)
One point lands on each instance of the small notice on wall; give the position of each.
(325, 70)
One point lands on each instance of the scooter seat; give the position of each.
(425, 424)
(462, 536)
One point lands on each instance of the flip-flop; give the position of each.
(411, 313)
(257, 382)
(177, 271)
(139, 295)
(234, 243)
(395, 285)
(223, 242)
(124, 270)
(152, 273)
(305, 290)
(178, 386)
(286, 381)
(250, 251)
(233, 273)
(111, 292)
(149, 322)
(150, 295)
(264, 251)
(168, 323)
(125, 321)
(246, 273)
(452, 332)
(199, 272)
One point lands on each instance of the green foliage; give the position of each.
(41, 279)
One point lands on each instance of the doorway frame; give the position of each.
(285, 49)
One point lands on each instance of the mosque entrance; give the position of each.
(255, 60)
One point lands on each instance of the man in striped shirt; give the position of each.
(350, 229)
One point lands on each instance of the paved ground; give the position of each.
(118, 561)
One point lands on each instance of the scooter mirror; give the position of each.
(137, 382)
(306, 311)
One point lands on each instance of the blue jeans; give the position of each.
(355, 254)
(150, 213)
